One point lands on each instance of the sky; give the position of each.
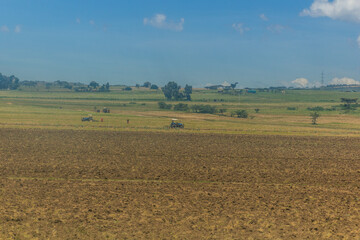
(257, 43)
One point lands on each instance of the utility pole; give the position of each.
(322, 78)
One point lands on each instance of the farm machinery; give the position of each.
(106, 110)
(175, 124)
(88, 119)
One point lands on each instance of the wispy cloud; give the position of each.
(160, 21)
(95, 25)
(4, 28)
(348, 10)
(264, 17)
(17, 29)
(239, 27)
(276, 28)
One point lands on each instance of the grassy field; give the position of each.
(64, 110)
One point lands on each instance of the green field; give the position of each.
(64, 110)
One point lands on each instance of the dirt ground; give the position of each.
(66, 184)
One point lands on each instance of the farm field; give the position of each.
(72, 184)
(64, 110)
(188, 120)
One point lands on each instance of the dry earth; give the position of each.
(137, 185)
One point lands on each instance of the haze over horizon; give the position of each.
(257, 43)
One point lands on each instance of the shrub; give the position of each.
(163, 105)
(257, 110)
(314, 116)
(181, 107)
(154, 87)
(349, 106)
(331, 109)
(241, 113)
(203, 109)
(292, 108)
(316, 109)
(127, 89)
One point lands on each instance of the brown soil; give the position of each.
(137, 185)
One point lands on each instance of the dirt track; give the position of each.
(118, 185)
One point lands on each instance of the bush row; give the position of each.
(200, 108)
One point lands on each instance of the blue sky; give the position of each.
(258, 43)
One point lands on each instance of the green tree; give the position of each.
(188, 92)
(154, 87)
(147, 84)
(11, 82)
(314, 116)
(171, 91)
(233, 85)
(348, 101)
(241, 113)
(93, 84)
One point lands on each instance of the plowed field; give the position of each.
(137, 185)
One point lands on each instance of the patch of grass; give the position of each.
(64, 110)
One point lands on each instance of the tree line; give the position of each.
(172, 91)
(93, 87)
(13, 83)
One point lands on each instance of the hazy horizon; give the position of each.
(257, 43)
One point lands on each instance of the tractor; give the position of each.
(87, 119)
(106, 110)
(176, 124)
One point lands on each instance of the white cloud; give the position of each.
(264, 17)
(276, 28)
(160, 21)
(239, 27)
(348, 10)
(4, 28)
(344, 81)
(17, 29)
(300, 82)
(317, 84)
